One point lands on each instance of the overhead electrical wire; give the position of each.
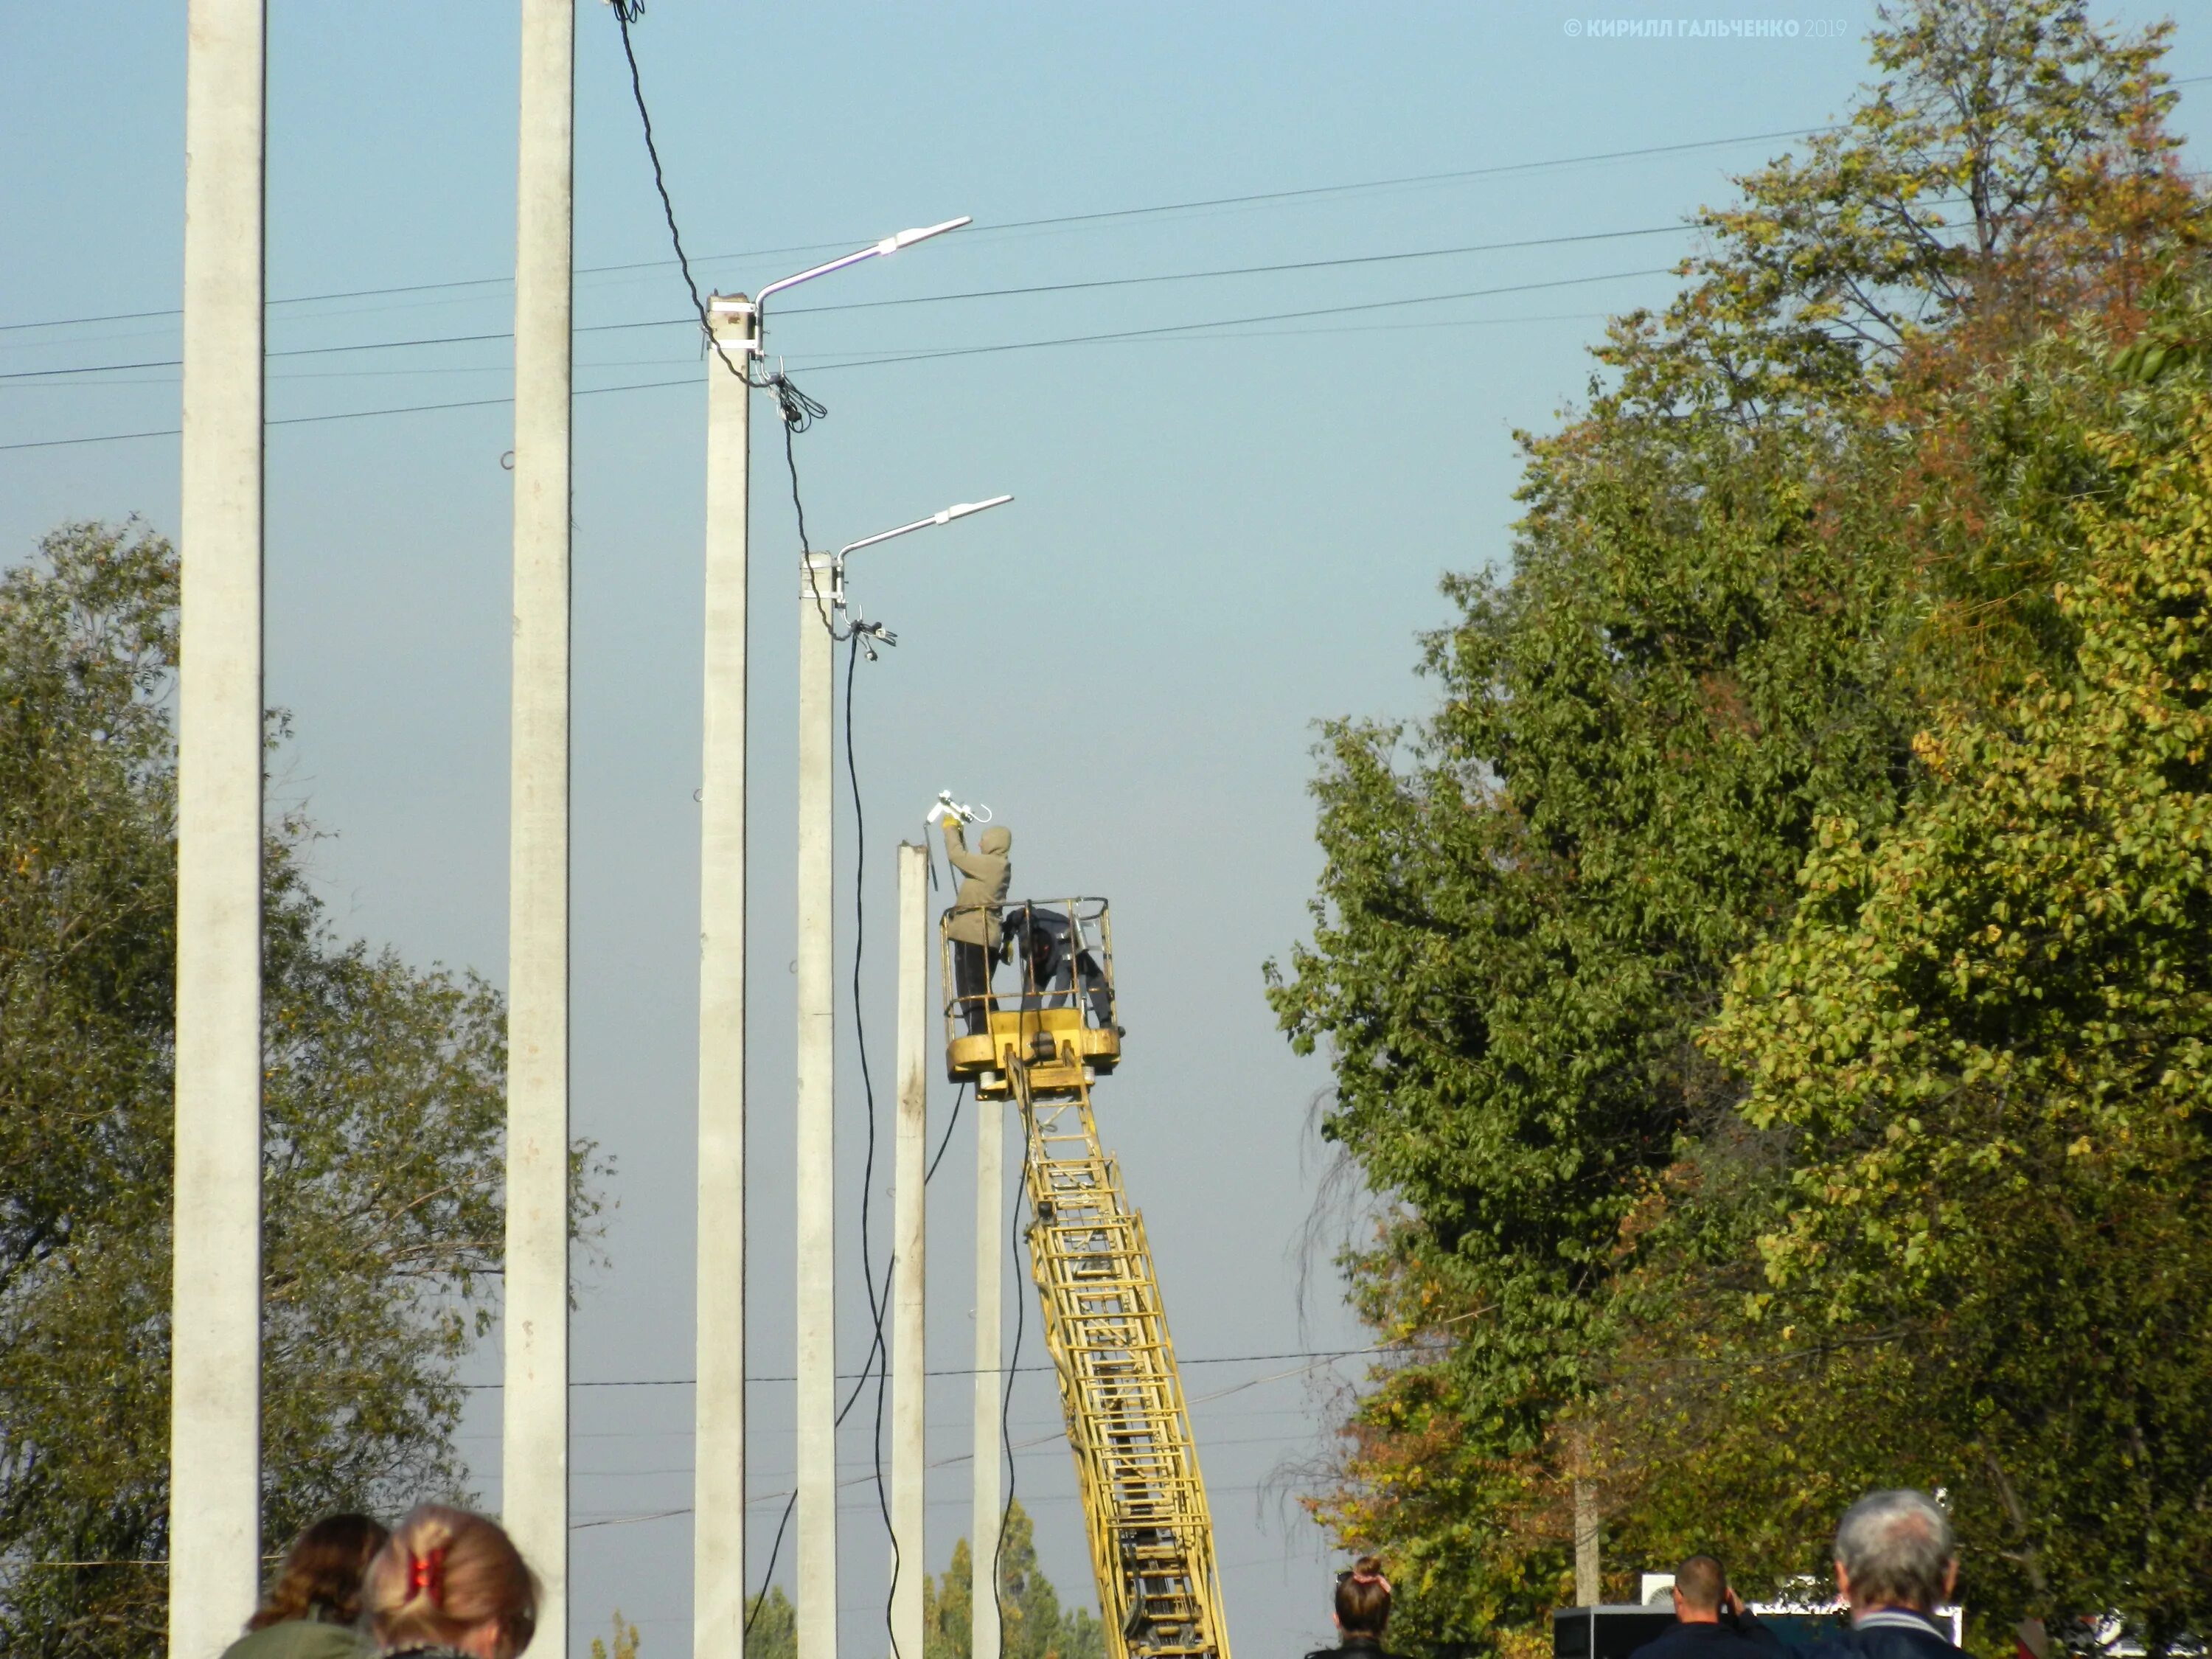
(1051, 221)
(1316, 1354)
(1283, 268)
(1231, 322)
(1286, 268)
(956, 351)
(980, 231)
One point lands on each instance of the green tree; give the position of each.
(771, 1626)
(2001, 172)
(383, 1111)
(1838, 484)
(1987, 1031)
(625, 1641)
(1036, 1626)
(1524, 930)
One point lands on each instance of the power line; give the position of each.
(1315, 1354)
(1240, 270)
(982, 230)
(1011, 225)
(1051, 221)
(1234, 322)
(1342, 262)
(869, 362)
(1107, 215)
(1289, 267)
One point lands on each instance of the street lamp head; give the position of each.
(874, 249)
(908, 238)
(964, 508)
(958, 510)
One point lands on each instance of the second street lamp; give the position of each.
(719, 1479)
(821, 601)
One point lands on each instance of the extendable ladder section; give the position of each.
(1152, 1537)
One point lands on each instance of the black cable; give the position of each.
(879, 1300)
(800, 412)
(949, 1124)
(773, 1550)
(860, 1381)
(626, 13)
(876, 1307)
(1007, 1402)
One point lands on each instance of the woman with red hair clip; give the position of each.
(449, 1584)
(1363, 1613)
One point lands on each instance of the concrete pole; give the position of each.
(990, 1380)
(1589, 1590)
(215, 1410)
(718, 1526)
(908, 1238)
(817, 1170)
(535, 1464)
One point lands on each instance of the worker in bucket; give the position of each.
(973, 930)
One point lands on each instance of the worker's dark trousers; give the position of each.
(971, 984)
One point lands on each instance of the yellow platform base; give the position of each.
(1054, 1043)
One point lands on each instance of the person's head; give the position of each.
(1363, 1598)
(997, 840)
(1894, 1549)
(321, 1575)
(450, 1578)
(1700, 1587)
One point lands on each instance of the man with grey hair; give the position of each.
(1896, 1562)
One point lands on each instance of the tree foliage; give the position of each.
(1829, 526)
(1036, 1626)
(1985, 1033)
(384, 1114)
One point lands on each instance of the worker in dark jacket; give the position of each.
(312, 1610)
(1363, 1613)
(1896, 1562)
(986, 875)
(1711, 1621)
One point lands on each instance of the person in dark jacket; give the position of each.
(1896, 1562)
(1711, 1621)
(1363, 1613)
(310, 1611)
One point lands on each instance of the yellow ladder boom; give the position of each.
(1151, 1536)
(1136, 1464)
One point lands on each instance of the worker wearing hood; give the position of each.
(986, 874)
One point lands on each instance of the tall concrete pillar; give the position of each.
(718, 1524)
(535, 1463)
(990, 1379)
(817, 1162)
(909, 1236)
(215, 1409)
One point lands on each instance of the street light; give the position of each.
(822, 601)
(892, 244)
(719, 1483)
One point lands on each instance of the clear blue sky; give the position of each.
(1221, 536)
